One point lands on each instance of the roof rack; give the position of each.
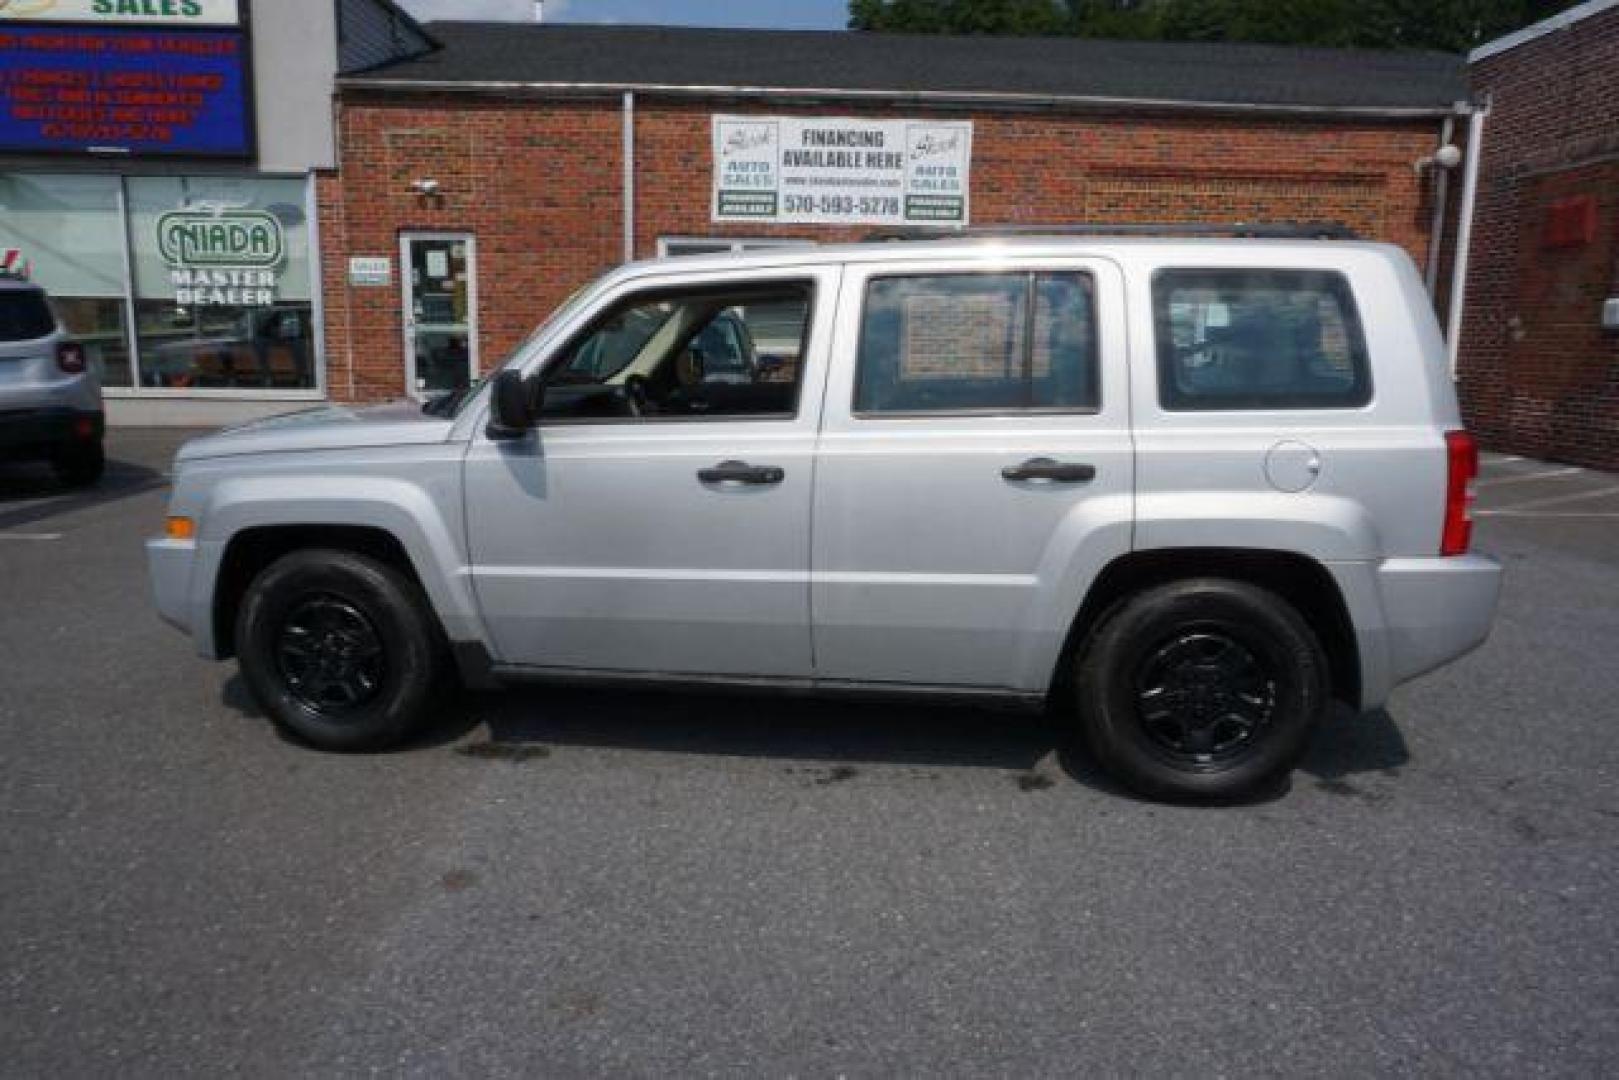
(1266, 230)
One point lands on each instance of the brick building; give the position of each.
(1539, 374)
(478, 184)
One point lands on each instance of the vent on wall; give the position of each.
(1570, 223)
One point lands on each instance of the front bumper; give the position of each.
(183, 574)
(169, 564)
(28, 433)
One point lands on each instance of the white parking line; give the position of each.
(30, 536)
(1555, 500)
(1521, 478)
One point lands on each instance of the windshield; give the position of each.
(450, 403)
(615, 345)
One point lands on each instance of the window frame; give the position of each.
(553, 363)
(127, 298)
(734, 245)
(1338, 285)
(1029, 274)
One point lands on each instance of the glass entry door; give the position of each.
(441, 311)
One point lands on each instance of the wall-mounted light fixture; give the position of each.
(426, 186)
(1446, 157)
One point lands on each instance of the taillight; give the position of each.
(1461, 453)
(70, 357)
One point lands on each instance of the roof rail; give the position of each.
(1267, 230)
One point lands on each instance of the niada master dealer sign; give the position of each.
(228, 257)
(831, 171)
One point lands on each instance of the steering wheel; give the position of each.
(635, 395)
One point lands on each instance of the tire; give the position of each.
(80, 465)
(340, 650)
(1201, 690)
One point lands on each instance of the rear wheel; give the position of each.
(80, 464)
(1201, 689)
(341, 650)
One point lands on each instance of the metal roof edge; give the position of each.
(1561, 21)
(931, 97)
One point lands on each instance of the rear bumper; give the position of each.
(1436, 609)
(37, 432)
(1414, 615)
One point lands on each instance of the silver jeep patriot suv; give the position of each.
(1186, 492)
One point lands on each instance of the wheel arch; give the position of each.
(1302, 581)
(251, 550)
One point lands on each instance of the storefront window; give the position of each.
(66, 230)
(222, 288)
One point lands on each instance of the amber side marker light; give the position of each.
(179, 528)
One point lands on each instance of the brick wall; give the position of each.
(1538, 375)
(537, 186)
(537, 181)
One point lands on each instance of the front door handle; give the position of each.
(1044, 468)
(740, 472)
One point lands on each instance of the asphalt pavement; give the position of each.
(637, 884)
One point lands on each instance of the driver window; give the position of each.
(730, 352)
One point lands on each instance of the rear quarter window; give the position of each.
(1258, 339)
(25, 315)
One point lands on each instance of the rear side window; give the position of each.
(1258, 339)
(977, 343)
(24, 315)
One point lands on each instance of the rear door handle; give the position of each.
(740, 472)
(1044, 468)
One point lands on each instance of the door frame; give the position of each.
(512, 570)
(407, 320)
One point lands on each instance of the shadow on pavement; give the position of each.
(525, 722)
(1349, 746)
(29, 483)
(741, 725)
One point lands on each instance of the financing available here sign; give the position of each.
(840, 171)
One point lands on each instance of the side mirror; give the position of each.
(514, 405)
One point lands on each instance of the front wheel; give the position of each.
(1202, 689)
(341, 650)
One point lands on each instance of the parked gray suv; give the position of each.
(50, 399)
(1185, 492)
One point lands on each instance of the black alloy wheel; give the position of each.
(1201, 689)
(342, 650)
(330, 655)
(1204, 697)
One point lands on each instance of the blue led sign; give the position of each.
(124, 91)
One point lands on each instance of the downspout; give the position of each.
(629, 176)
(1441, 190)
(1464, 230)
